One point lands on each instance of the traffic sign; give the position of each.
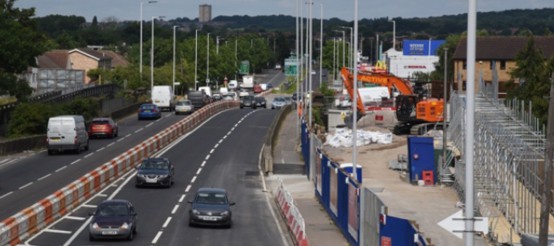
(455, 224)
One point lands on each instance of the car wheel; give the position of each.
(116, 133)
(191, 224)
(78, 150)
(229, 225)
(90, 237)
(50, 152)
(131, 235)
(86, 146)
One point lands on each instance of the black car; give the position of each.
(113, 219)
(211, 207)
(247, 101)
(260, 102)
(155, 171)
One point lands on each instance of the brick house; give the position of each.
(496, 52)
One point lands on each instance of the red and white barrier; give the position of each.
(290, 212)
(25, 223)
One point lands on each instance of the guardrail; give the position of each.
(28, 221)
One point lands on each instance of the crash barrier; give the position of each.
(293, 218)
(340, 191)
(19, 145)
(28, 221)
(271, 138)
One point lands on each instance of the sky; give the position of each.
(342, 9)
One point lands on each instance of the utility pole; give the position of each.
(444, 110)
(547, 185)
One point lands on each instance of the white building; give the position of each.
(416, 56)
(205, 13)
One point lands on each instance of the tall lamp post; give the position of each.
(174, 41)
(355, 97)
(208, 60)
(350, 61)
(152, 54)
(196, 60)
(140, 62)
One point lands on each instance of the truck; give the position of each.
(163, 97)
(206, 89)
(247, 82)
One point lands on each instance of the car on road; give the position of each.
(155, 172)
(260, 102)
(149, 111)
(113, 219)
(257, 88)
(288, 100)
(278, 103)
(102, 127)
(217, 96)
(184, 107)
(211, 206)
(247, 101)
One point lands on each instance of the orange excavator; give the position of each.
(413, 112)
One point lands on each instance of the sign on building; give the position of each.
(421, 47)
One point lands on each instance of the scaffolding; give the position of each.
(508, 160)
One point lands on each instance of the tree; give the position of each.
(19, 45)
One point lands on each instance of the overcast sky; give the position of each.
(342, 9)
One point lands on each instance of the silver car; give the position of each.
(184, 107)
(278, 103)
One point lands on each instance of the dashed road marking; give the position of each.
(175, 209)
(87, 156)
(78, 160)
(157, 237)
(7, 194)
(75, 218)
(182, 198)
(98, 150)
(187, 189)
(193, 179)
(61, 168)
(166, 222)
(43, 177)
(26, 185)
(199, 170)
(138, 130)
(58, 231)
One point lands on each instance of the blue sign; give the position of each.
(421, 47)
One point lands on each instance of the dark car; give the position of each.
(113, 219)
(260, 102)
(102, 127)
(155, 172)
(211, 207)
(149, 111)
(247, 101)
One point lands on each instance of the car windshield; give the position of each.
(115, 209)
(183, 103)
(280, 99)
(100, 122)
(154, 165)
(211, 198)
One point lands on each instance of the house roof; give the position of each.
(503, 47)
(94, 54)
(117, 59)
(55, 59)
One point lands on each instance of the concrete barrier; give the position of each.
(18, 227)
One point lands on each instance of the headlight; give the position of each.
(95, 226)
(125, 226)
(140, 175)
(196, 212)
(163, 176)
(225, 213)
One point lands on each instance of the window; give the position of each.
(502, 65)
(465, 65)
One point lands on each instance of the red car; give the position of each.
(257, 88)
(103, 127)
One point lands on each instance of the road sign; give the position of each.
(244, 67)
(455, 224)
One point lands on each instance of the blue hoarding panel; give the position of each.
(421, 157)
(421, 47)
(396, 231)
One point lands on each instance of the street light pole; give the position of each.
(321, 48)
(152, 57)
(217, 45)
(196, 59)
(355, 97)
(140, 62)
(208, 60)
(174, 40)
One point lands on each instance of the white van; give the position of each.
(233, 84)
(162, 96)
(66, 132)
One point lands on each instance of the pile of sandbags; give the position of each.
(343, 138)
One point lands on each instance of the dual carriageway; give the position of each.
(222, 152)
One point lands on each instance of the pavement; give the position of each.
(289, 168)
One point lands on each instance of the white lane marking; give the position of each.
(193, 179)
(157, 237)
(78, 160)
(203, 163)
(61, 168)
(89, 206)
(220, 141)
(139, 130)
(119, 140)
(182, 198)
(102, 195)
(128, 135)
(43, 177)
(166, 222)
(75, 218)
(187, 189)
(87, 156)
(24, 186)
(5, 160)
(211, 151)
(98, 150)
(175, 209)
(216, 145)
(57, 231)
(152, 123)
(199, 170)
(110, 144)
(7, 194)
(207, 157)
